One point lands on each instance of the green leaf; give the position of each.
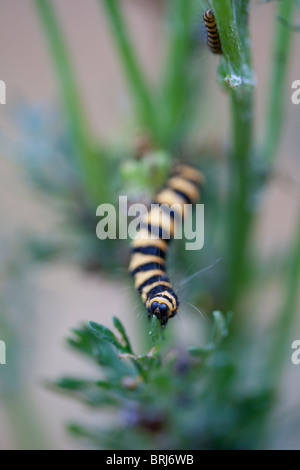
(70, 383)
(119, 326)
(106, 334)
(84, 342)
(220, 327)
(220, 331)
(156, 333)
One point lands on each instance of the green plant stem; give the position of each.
(280, 346)
(177, 77)
(228, 30)
(135, 77)
(241, 8)
(237, 69)
(277, 81)
(240, 214)
(88, 157)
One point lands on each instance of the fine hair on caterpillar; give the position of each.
(148, 255)
(203, 270)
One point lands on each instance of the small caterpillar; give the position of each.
(148, 260)
(213, 38)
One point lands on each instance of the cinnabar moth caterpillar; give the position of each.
(148, 259)
(213, 38)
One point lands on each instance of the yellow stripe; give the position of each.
(142, 242)
(138, 259)
(185, 187)
(167, 196)
(190, 173)
(170, 296)
(143, 276)
(210, 21)
(159, 218)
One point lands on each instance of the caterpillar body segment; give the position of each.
(150, 247)
(213, 38)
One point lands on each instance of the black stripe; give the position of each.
(172, 189)
(213, 44)
(150, 250)
(174, 312)
(148, 267)
(152, 279)
(157, 231)
(209, 16)
(158, 289)
(210, 21)
(216, 48)
(212, 27)
(216, 37)
(189, 180)
(183, 195)
(168, 211)
(197, 185)
(215, 40)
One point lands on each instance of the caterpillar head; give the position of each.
(209, 14)
(161, 311)
(162, 308)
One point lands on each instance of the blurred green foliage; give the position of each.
(172, 400)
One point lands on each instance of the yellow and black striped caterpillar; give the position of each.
(213, 38)
(148, 258)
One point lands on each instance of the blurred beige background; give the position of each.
(61, 295)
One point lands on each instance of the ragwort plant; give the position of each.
(217, 395)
